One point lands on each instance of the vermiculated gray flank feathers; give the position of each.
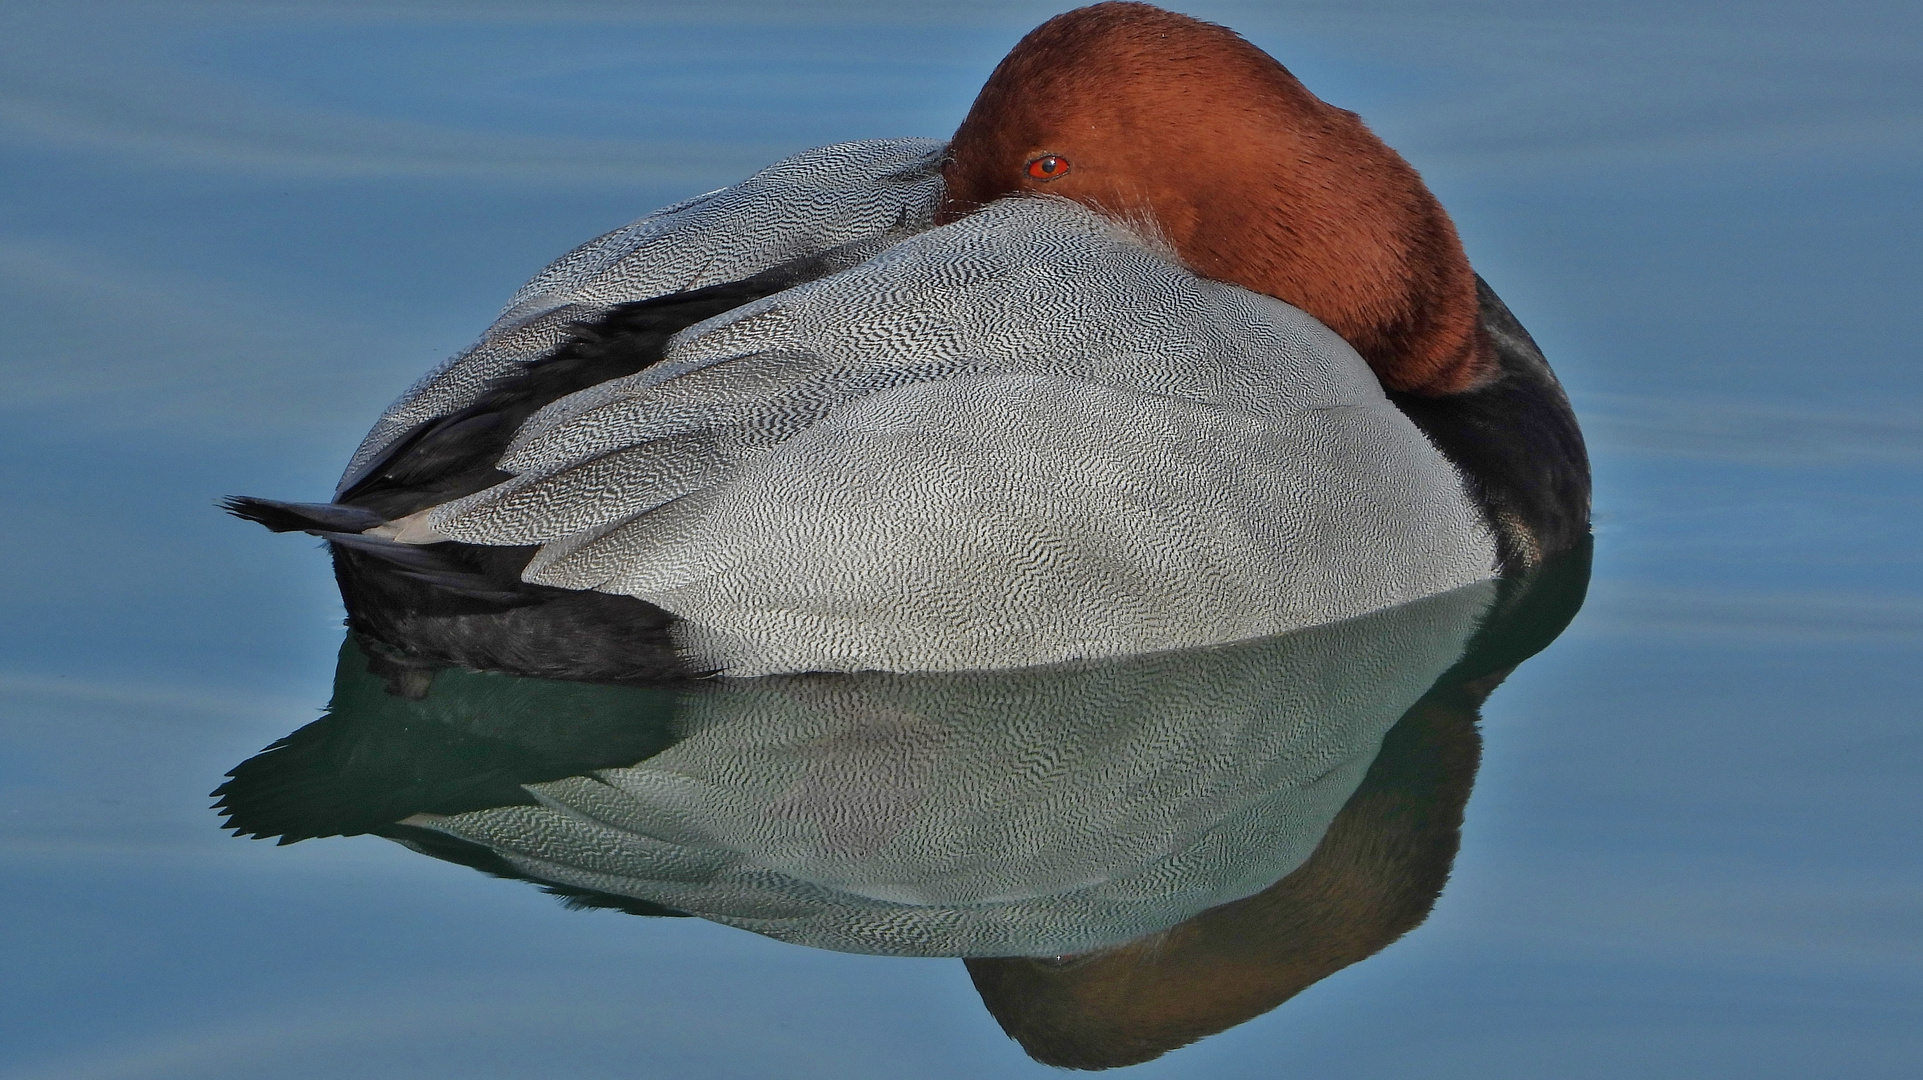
(789, 426)
(1021, 438)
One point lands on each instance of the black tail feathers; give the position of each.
(446, 567)
(302, 517)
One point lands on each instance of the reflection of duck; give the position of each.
(1027, 812)
(1171, 833)
(865, 412)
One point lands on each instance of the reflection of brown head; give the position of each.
(1159, 120)
(1374, 877)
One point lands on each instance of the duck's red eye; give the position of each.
(1048, 167)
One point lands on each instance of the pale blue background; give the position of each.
(231, 232)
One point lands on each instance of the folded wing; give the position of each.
(826, 198)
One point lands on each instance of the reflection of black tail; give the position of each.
(471, 742)
(302, 517)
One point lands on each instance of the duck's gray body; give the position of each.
(1022, 438)
(856, 441)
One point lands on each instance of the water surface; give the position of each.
(233, 233)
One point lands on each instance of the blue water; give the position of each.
(231, 235)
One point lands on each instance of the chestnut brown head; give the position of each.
(1159, 120)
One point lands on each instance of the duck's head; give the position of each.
(1165, 122)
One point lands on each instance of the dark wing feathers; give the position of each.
(451, 456)
(466, 605)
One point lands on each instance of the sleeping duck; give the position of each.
(1160, 351)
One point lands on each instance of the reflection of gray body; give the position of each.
(992, 814)
(1021, 438)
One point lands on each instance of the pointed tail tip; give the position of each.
(301, 517)
(248, 508)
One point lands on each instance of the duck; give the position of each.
(1159, 351)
